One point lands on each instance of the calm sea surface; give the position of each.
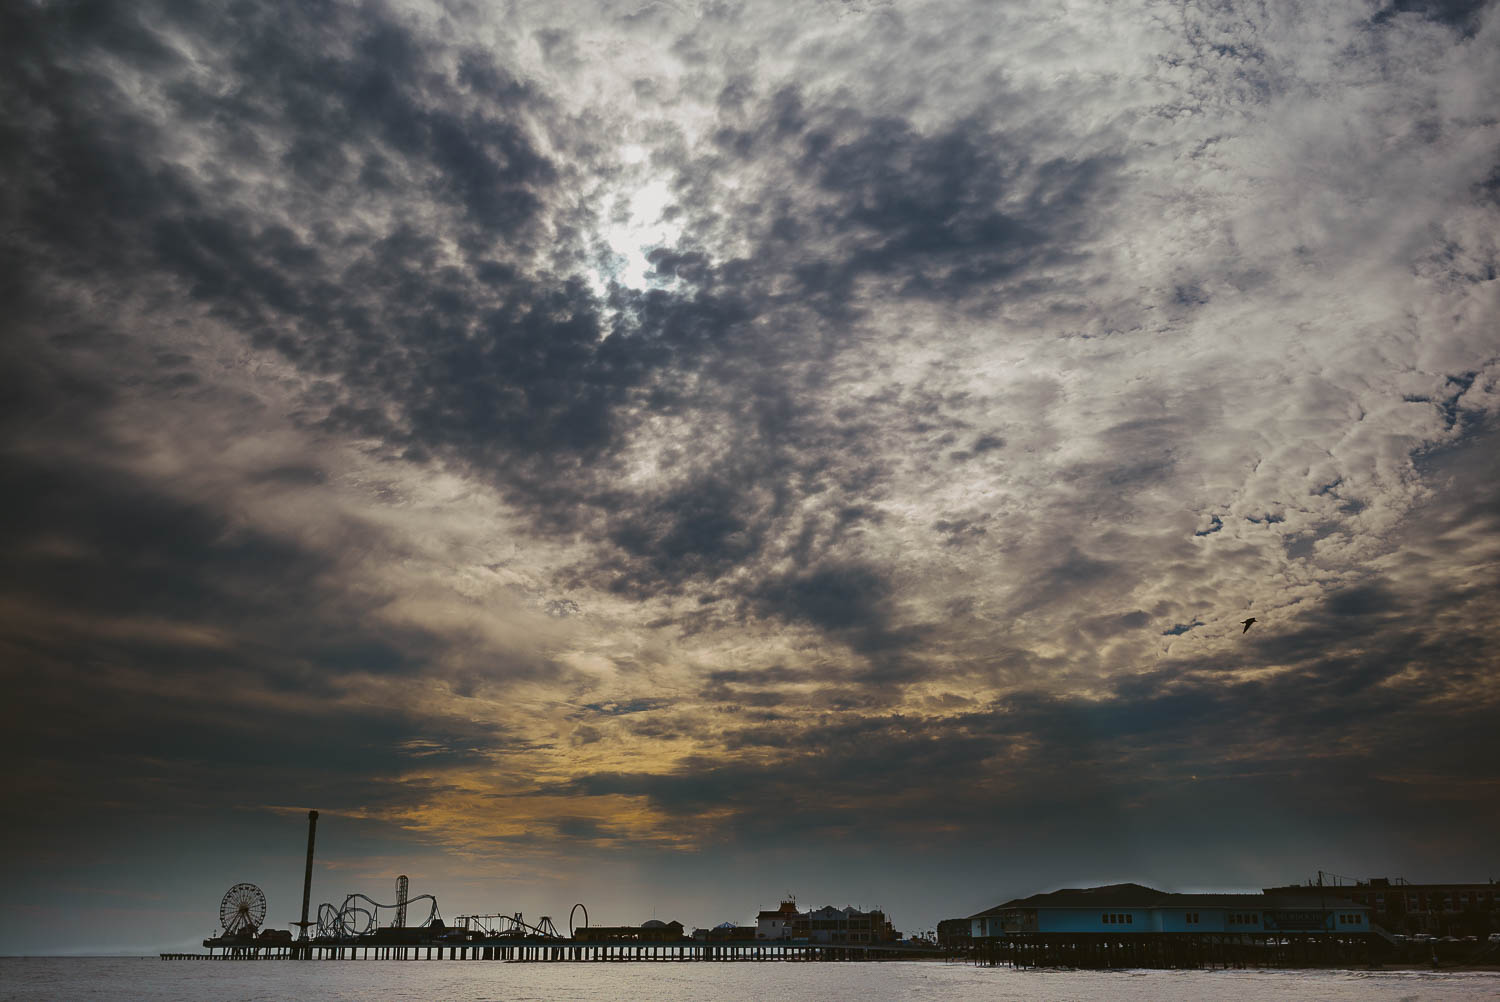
(367, 981)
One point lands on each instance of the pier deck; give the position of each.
(537, 950)
(1174, 951)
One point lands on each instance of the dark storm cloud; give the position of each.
(946, 213)
(477, 358)
(98, 189)
(1460, 14)
(918, 209)
(159, 653)
(519, 374)
(926, 205)
(129, 549)
(700, 531)
(98, 175)
(832, 598)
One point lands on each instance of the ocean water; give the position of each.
(118, 978)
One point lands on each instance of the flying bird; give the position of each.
(1247, 626)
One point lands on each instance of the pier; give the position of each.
(1168, 951)
(515, 950)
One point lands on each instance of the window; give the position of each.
(1104, 918)
(1192, 918)
(1129, 918)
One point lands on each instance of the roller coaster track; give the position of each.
(359, 915)
(507, 925)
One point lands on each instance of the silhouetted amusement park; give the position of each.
(412, 927)
(1334, 921)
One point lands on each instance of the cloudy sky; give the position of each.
(669, 454)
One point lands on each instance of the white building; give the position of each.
(778, 924)
(824, 925)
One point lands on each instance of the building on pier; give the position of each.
(827, 925)
(650, 931)
(845, 925)
(725, 932)
(251, 938)
(1136, 910)
(955, 934)
(779, 924)
(1398, 905)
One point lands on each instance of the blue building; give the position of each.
(1130, 910)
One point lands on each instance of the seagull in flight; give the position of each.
(1247, 626)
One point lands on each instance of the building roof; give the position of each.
(1379, 885)
(1141, 896)
(788, 909)
(848, 911)
(1108, 896)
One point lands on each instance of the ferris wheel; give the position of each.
(242, 910)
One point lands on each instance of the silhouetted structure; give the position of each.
(823, 925)
(779, 924)
(844, 925)
(1129, 925)
(724, 932)
(1396, 904)
(651, 931)
(403, 887)
(312, 835)
(955, 934)
(354, 931)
